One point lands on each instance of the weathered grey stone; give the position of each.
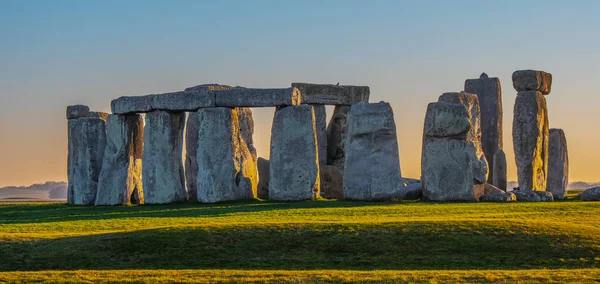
(208, 87)
(321, 128)
(247, 97)
(325, 94)
(332, 182)
(372, 165)
(87, 140)
(413, 191)
(498, 197)
(120, 180)
(175, 101)
(162, 171)
(294, 169)
(558, 164)
(453, 166)
(336, 137)
(471, 103)
(499, 170)
(77, 111)
(545, 195)
(591, 194)
(226, 168)
(246, 123)
(532, 80)
(527, 195)
(490, 189)
(263, 178)
(530, 140)
(489, 93)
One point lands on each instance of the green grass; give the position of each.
(307, 241)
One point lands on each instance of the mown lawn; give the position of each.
(317, 241)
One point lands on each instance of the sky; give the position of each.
(59, 53)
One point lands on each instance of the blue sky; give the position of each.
(56, 53)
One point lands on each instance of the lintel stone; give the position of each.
(327, 94)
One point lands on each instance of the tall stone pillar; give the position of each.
(162, 171)
(86, 142)
(372, 164)
(499, 170)
(336, 136)
(120, 181)
(530, 128)
(321, 128)
(225, 155)
(558, 164)
(294, 164)
(489, 93)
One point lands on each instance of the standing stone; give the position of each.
(530, 140)
(163, 174)
(191, 142)
(226, 167)
(120, 181)
(372, 164)
(87, 140)
(321, 127)
(77, 111)
(332, 182)
(489, 93)
(452, 167)
(499, 170)
(294, 168)
(558, 164)
(336, 137)
(263, 178)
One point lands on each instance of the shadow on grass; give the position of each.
(37, 213)
(415, 245)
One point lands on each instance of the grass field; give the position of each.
(321, 241)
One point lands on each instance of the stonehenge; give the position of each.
(558, 164)
(372, 164)
(489, 93)
(136, 154)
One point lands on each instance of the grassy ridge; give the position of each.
(314, 236)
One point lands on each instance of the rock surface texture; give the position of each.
(558, 164)
(532, 80)
(332, 182)
(247, 97)
(87, 140)
(453, 165)
(227, 168)
(294, 164)
(120, 180)
(498, 197)
(162, 171)
(325, 94)
(499, 170)
(591, 194)
(321, 128)
(530, 140)
(372, 164)
(336, 137)
(263, 178)
(489, 93)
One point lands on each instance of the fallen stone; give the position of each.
(175, 101)
(591, 194)
(489, 93)
(77, 111)
(294, 168)
(530, 140)
(263, 178)
(498, 197)
(545, 195)
(407, 181)
(325, 94)
(162, 171)
(336, 137)
(226, 168)
(321, 128)
(120, 180)
(499, 170)
(372, 165)
(532, 80)
(413, 191)
(247, 97)
(86, 143)
(527, 195)
(558, 164)
(490, 189)
(332, 182)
